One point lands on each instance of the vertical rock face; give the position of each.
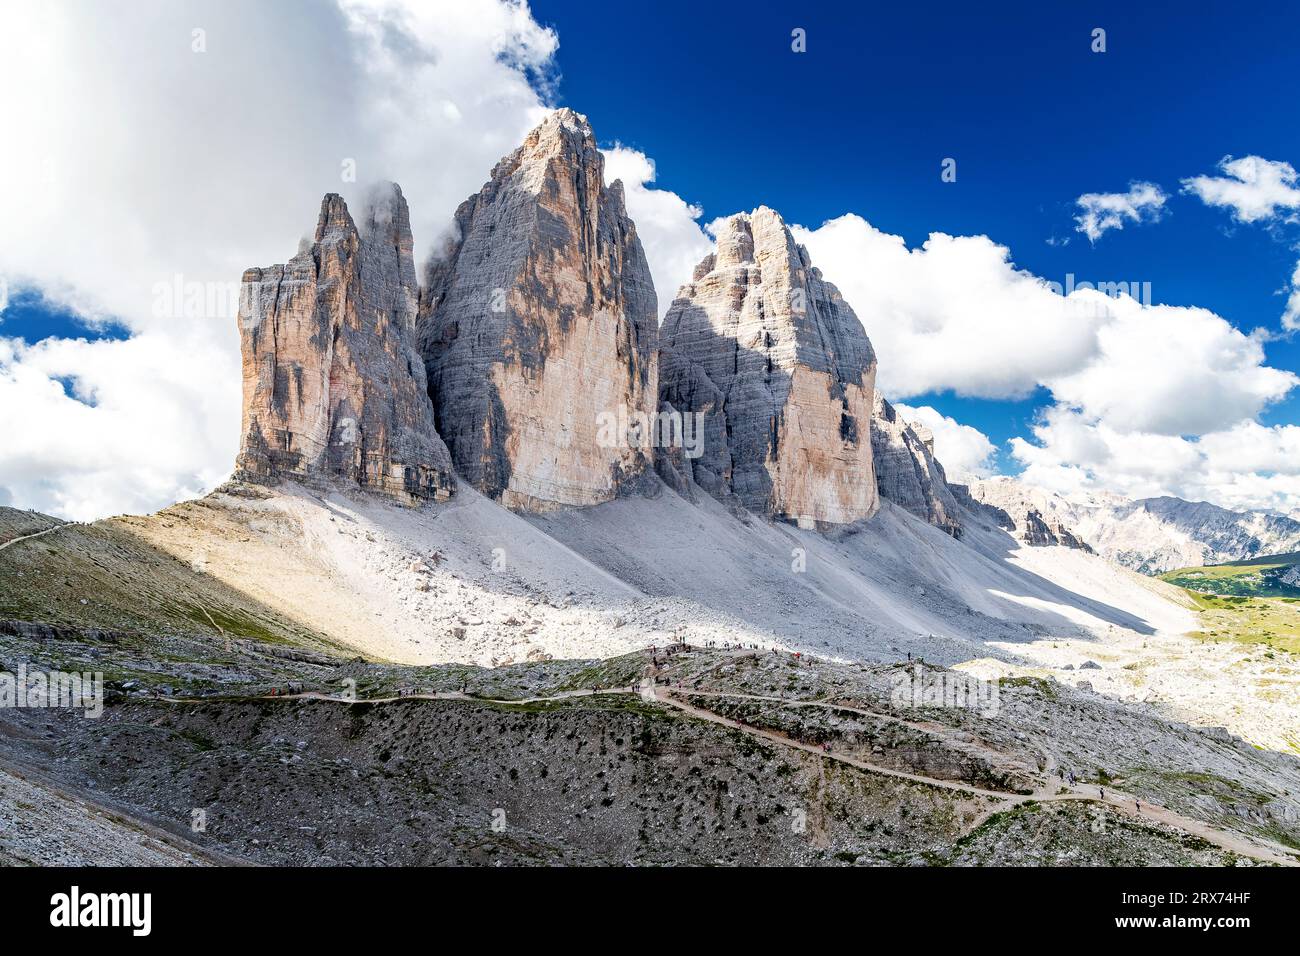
(780, 368)
(333, 384)
(538, 329)
(907, 472)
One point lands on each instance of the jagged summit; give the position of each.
(907, 472)
(333, 387)
(538, 323)
(535, 332)
(779, 366)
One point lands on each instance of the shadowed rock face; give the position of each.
(333, 385)
(783, 373)
(538, 329)
(907, 472)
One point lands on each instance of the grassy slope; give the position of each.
(1274, 622)
(101, 575)
(1256, 577)
(1245, 601)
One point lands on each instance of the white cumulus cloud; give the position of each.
(1143, 395)
(168, 143)
(1171, 370)
(956, 314)
(1252, 187)
(1245, 466)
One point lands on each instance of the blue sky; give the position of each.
(1012, 91)
(31, 317)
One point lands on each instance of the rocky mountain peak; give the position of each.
(334, 220)
(561, 146)
(333, 386)
(781, 371)
(538, 328)
(907, 473)
(562, 125)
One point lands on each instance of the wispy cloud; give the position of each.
(1100, 212)
(1291, 314)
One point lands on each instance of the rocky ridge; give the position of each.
(1148, 535)
(1025, 511)
(907, 473)
(1190, 528)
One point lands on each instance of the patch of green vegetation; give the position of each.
(994, 822)
(1046, 687)
(1278, 835)
(200, 742)
(615, 672)
(1271, 622)
(1222, 788)
(1256, 577)
(232, 624)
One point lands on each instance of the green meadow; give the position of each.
(1245, 601)
(1257, 577)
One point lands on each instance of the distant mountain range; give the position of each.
(1150, 535)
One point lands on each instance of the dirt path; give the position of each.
(774, 737)
(1054, 790)
(1050, 793)
(923, 726)
(27, 537)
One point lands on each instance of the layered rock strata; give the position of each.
(333, 385)
(907, 473)
(538, 329)
(781, 373)
(1025, 511)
